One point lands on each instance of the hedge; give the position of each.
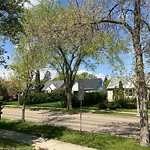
(89, 99)
(55, 96)
(36, 98)
(127, 103)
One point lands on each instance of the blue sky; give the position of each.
(101, 70)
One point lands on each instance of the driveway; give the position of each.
(99, 123)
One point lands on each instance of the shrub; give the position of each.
(36, 98)
(127, 103)
(89, 99)
(4, 92)
(102, 105)
(59, 95)
(112, 105)
(1, 98)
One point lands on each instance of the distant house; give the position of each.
(128, 86)
(90, 85)
(52, 85)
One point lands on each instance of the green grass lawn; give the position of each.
(93, 140)
(56, 106)
(7, 143)
(50, 104)
(14, 103)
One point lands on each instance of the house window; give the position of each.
(129, 92)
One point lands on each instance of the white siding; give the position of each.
(110, 95)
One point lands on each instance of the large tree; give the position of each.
(69, 45)
(10, 22)
(130, 18)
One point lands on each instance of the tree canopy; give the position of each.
(10, 22)
(68, 45)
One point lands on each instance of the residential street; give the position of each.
(109, 124)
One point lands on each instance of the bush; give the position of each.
(59, 95)
(112, 105)
(4, 92)
(89, 99)
(126, 103)
(1, 98)
(36, 98)
(102, 105)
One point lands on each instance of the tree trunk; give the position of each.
(140, 82)
(69, 98)
(23, 113)
(23, 107)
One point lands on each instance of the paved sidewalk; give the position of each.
(40, 142)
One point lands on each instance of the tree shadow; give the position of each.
(37, 129)
(8, 143)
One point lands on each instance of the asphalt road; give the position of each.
(108, 124)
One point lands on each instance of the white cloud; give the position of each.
(33, 2)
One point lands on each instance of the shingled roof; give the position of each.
(57, 84)
(92, 83)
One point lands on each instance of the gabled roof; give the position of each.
(93, 83)
(128, 82)
(57, 84)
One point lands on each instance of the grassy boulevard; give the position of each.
(93, 140)
(10, 144)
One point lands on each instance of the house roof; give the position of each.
(93, 83)
(128, 82)
(89, 84)
(57, 84)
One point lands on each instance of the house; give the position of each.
(52, 85)
(128, 86)
(90, 85)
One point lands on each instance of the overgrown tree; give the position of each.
(132, 18)
(70, 45)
